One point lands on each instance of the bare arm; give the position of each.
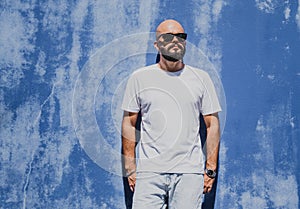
(212, 147)
(128, 146)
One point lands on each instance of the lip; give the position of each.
(175, 47)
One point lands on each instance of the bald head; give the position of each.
(169, 26)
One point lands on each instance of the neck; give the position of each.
(169, 65)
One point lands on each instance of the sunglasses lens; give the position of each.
(168, 37)
(181, 35)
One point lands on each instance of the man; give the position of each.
(171, 170)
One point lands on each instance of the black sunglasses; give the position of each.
(168, 37)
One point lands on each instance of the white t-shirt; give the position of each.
(170, 105)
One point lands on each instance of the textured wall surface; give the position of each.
(63, 67)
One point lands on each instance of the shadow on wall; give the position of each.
(209, 199)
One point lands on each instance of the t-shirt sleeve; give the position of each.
(210, 101)
(130, 100)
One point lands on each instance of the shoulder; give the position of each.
(197, 72)
(144, 71)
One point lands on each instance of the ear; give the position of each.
(156, 45)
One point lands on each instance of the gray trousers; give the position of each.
(168, 190)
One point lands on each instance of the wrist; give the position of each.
(129, 169)
(211, 165)
(210, 173)
(127, 174)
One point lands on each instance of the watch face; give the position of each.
(210, 172)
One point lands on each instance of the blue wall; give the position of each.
(64, 65)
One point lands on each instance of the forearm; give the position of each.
(129, 142)
(212, 142)
(128, 146)
(212, 149)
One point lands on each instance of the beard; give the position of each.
(173, 56)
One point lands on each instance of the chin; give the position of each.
(172, 58)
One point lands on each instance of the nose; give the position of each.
(176, 39)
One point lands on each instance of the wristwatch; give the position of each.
(210, 173)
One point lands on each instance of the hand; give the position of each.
(208, 184)
(131, 181)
